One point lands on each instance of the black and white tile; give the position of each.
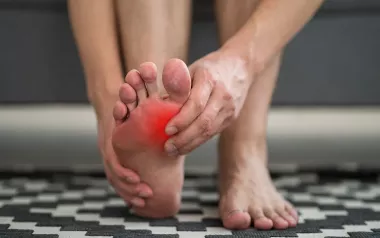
(331, 203)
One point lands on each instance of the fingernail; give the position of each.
(171, 149)
(144, 194)
(136, 202)
(132, 180)
(171, 130)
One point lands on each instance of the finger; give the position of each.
(123, 173)
(114, 167)
(116, 186)
(133, 188)
(192, 145)
(198, 141)
(221, 122)
(201, 129)
(203, 85)
(123, 190)
(130, 199)
(137, 190)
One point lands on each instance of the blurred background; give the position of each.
(325, 109)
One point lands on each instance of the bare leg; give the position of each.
(152, 32)
(94, 27)
(247, 192)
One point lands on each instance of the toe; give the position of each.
(133, 78)
(263, 223)
(259, 220)
(128, 96)
(176, 80)
(292, 211)
(278, 222)
(120, 112)
(236, 220)
(148, 72)
(287, 217)
(233, 216)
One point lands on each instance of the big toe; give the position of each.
(233, 216)
(236, 220)
(176, 80)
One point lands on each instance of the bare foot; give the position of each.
(139, 136)
(247, 194)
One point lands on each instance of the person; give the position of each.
(227, 92)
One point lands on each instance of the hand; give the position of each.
(125, 181)
(219, 87)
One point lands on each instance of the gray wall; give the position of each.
(334, 60)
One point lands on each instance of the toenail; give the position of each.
(171, 130)
(171, 149)
(233, 212)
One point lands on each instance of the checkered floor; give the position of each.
(330, 203)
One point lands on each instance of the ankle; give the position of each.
(242, 148)
(244, 135)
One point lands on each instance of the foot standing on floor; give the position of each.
(227, 92)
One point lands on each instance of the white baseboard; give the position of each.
(65, 136)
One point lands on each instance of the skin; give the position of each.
(102, 52)
(139, 135)
(251, 48)
(103, 71)
(259, 40)
(162, 33)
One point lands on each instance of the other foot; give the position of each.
(139, 136)
(247, 193)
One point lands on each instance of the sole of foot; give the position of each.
(141, 115)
